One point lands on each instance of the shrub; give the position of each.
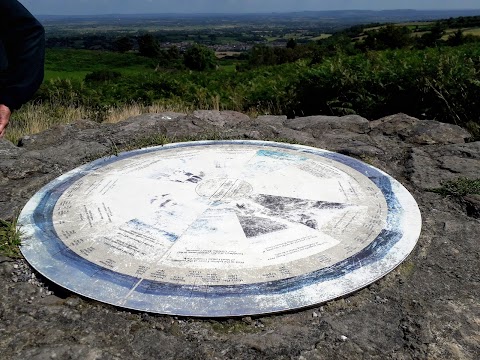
(200, 58)
(102, 75)
(440, 84)
(149, 46)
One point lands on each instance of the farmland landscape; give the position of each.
(109, 67)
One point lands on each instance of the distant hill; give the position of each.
(360, 16)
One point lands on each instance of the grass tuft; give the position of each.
(10, 239)
(33, 118)
(125, 111)
(459, 187)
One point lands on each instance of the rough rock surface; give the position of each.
(428, 308)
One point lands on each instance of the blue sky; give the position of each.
(90, 7)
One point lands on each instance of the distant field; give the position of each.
(475, 31)
(72, 60)
(373, 28)
(422, 28)
(297, 36)
(222, 54)
(411, 25)
(75, 64)
(321, 37)
(420, 33)
(95, 28)
(416, 23)
(466, 31)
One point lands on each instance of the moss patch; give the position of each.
(459, 187)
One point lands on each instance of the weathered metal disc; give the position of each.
(220, 228)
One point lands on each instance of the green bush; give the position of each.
(199, 57)
(441, 84)
(102, 75)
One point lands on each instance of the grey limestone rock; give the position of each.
(222, 118)
(425, 309)
(429, 166)
(421, 132)
(324, 124)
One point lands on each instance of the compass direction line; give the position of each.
(178, 241)
(132, 289)
(229, 189)
(219, 188)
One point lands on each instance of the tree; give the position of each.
(261, 55)
(199, 57)
(291, 44)
(388, 37)
(456, 39)
(433, 37)
(123, 44)
(337, 43)
(173, 53)
(149, 46)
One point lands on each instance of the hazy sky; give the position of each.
(89, 7)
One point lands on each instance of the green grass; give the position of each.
(73, 75)
(459, 187)
(70, 60)
(9, 239)
(228, 68)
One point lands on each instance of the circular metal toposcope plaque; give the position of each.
(219, 228)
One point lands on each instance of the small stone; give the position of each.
(343, 338)
(247, 320)
(73, 301)
(259, 324)
(315, 315)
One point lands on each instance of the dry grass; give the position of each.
(120, 113)
(35, 118)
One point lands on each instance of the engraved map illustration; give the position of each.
(220, 228)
